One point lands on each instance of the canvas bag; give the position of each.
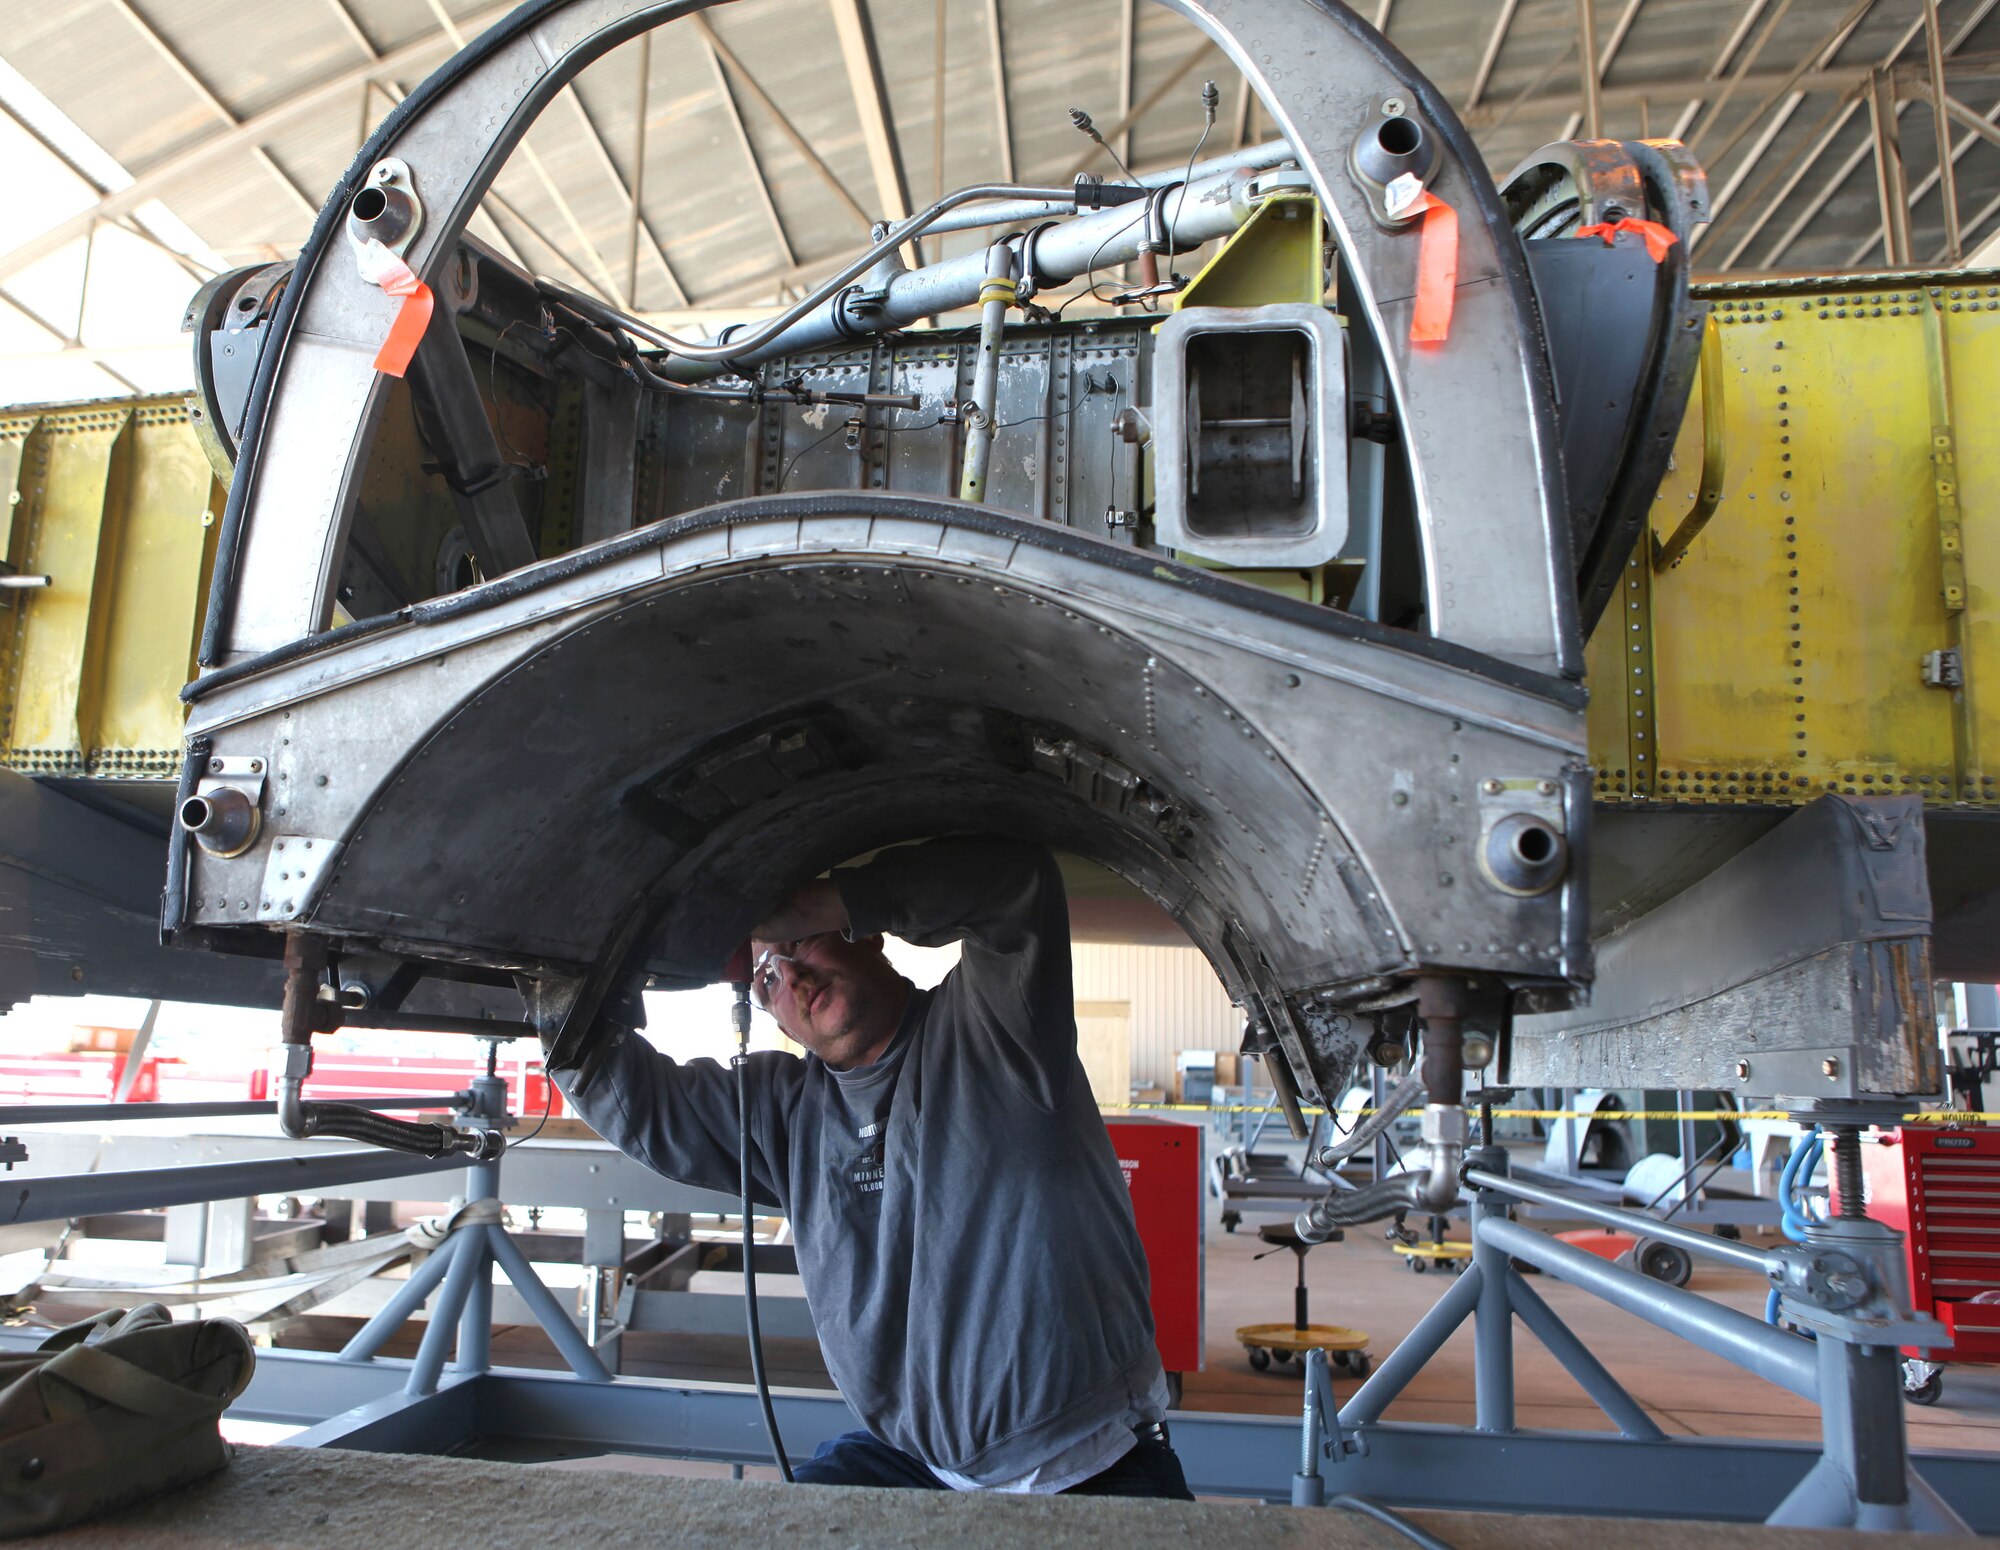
(112, 1410)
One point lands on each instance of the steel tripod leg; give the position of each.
(1590, 1374)
(371, 1337)
(1492, 1334)
(468, 1261)
(475, 1323)
(583, 1361)
(1417, 1348)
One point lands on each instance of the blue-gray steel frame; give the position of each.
(358, 1400)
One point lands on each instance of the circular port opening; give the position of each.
(194, 813)
(369, 204)
(1535, 846)
(1399, 136)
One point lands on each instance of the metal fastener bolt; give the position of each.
(1492, 788)
(1742, 1069)
(1829, 1067)
(1546, 787)
(1400, 798)
(1392, 107)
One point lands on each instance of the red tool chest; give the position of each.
(1941, 1187)
(1162, 1163)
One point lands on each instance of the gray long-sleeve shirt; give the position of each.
(964, 1232)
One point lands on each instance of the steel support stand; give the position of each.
(1493, 1318)
(461, 1271)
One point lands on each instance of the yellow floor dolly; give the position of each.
(1346, 1349)
(1450, 1257)
(1439, 1253)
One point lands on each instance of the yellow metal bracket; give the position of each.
(1714, 455)
(1277, 255)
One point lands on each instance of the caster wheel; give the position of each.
(1456, 1265)
(1663, 1262)
(1357, 1363)
(1928, 1392)
(1418, 1264)
(1260, 1359)
(1280, 1354)
(1229, 1223)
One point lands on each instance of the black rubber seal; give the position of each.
(962, 515)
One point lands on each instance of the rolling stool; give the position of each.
(1346, 1348)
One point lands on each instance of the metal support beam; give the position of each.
(1003, 110)
(760, 183)
(1940, 102)
(1150, 101)
(1128, 71)
(645, 74)
(1736, 76)
(777, 116)
(1586, 56)
(1846, 170)
(863, 60)
(1495, 41)
(1891, 192)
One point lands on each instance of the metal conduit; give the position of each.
(1779, 1358)
(1740, 1254)
(62, 1196)
(108, 1113)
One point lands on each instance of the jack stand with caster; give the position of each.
(464, 1264)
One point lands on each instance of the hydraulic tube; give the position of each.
(995, 297)
(1198, 212)
(1433, 1187)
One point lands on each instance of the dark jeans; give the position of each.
(861, 1458)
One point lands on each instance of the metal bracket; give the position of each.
(293, 873)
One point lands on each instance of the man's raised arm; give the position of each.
(1004, 900)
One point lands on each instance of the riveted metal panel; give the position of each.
(1784, 653)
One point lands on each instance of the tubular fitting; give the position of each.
(223, 820)
(1524, 854)
(1387, 148)
(1441, 1006)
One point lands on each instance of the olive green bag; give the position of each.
(107, 1412)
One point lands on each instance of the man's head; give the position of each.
(842, 1000)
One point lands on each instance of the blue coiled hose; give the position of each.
(1798, 1171)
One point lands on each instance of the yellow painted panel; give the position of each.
(1788, 644)
(156, 597)
(71, 470)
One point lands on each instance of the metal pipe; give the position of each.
(583, 1361)
(1783, 1359)
(1416, 1349)
(1100, 241)
(1387, 1111)
(728, 348)
(107, 1113)
(467, 1248)
(1740, 1254)
(996, 295)
(1492, 1331)
(62, 1196)
(1591, 1375)
(397, 1311)
(1256, 158)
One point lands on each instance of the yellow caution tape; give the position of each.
(998, 288)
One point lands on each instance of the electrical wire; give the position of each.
(548, 1108)
(1368, 1507)
(1210, 100)
(757, 1375)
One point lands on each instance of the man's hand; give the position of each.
(811, 910)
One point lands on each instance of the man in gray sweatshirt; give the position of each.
(964, 1231)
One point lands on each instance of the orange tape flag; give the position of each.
(1437, 256)
(1657, 238)
(381, 267)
